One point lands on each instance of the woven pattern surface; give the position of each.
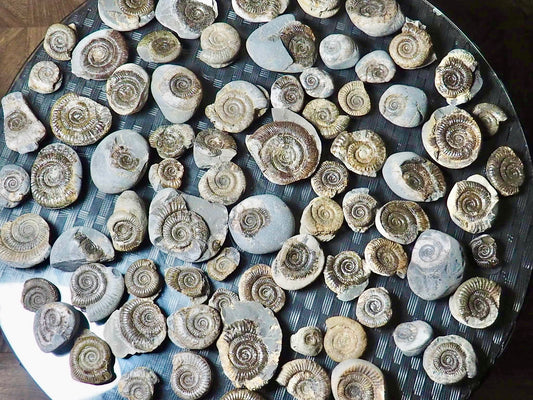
(405, 377)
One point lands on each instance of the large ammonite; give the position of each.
(59, 41)
(55, 325)
(195, 327)
(285, 151)
(256, 284)
(357, 379)
(191, 376)
(38, 292)
(220, 45)
(300, 42)
(413, 48)
(224, 183)
(305, 380)
(505, 171)
(259, 10)
(142, 279)
(91, 360)
(127, 89)
(457, 78)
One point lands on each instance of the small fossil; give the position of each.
(220, 44)
(489, 117)
(45, 77)
(449, 359)
(385, 257)
(401, 221)
(189, 281)
(287, 92)
(128, 223)
(37, 292)
(159, 47)
(222, 298)
(223, 183)
(172, 140)
(375, 17)
(126, 15)
(374, 308)
(412, 338)
(195, 327)
(476, 302)
(322, 218)
(168, 173)
(14, 185)
(191, 376)
(346, 274)
(142, 279)
(213, 146)
(59, 41)
(317, 83)
(413, 47)
(308, 341)
(55, 325)
(257, 284)
(259, 11)
(353, 99)
(485, 251)
(127, 89)
(138, 384)
(376, 67)
(326, 117)
(404, 106)
(338, 51)
(321, 9)
(91, 360)
(223, 265)
(505, 171)
(359, 209)
(360, 377)
(305, 380)
(241, 394)
(188, 18)
(330, 179)
(345, 338)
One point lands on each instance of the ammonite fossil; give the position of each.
(308, 341)
(142, 279)
(374, 308)
(320, 9)
(345, 338)
(449, 359)
(322, 218)
(191, 376)
(220, 44)
(97, 290)
(14, 185)
(299, 262)
(413, 337)
(222, 298)
(473, 204)
(126, 15)
(476, 302)
(138, 384)
(375, 17)
(223, 265)
(213, 146)
(241, 394)
(346, 274)
(413, 47)
(505, 171)
(99, 54)
(78, 120)
(338, 51)
(287, 92)
(401, 221)
(127, 89)
(352, 379)
(259, 11)
(168, 173)
(404, 106)
(24, 242)
(172, 140)
(127, 225)
(189, 281)
(376, 67)
(489, 117)
(452, 137)
(300, 42)
(188, 18)
(59, 41)
(385, 257)
(330, 179)
(317, 83)
(362, 152)
(359, 209)
(224, 183)
(55, 325)
(326, 117)
(37, 292)
(159, 47)
(353, 99)
(257, 284)
(195, 327)
(91, 360)
(485, 251)
(305, 380)
(45, 77)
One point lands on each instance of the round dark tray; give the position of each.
(405, 377)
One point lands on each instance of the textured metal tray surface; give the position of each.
(405, 377)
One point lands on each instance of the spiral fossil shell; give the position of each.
(78, 120)
(375, 17)
(353, 99)
(191, 376)
(476, 302)
(338, 51)
(374, 307)
(485, 251)
(449, 359)
(142, 279)
(317, 83)
(357, 379)
(257, 284)
(346, 274)
(138, 384)
(59, 41)
(404, 106)
(127, 89)
(126, 15)
(345, 338)
(224, 183)
(330, 179)
(24, 242)
(401, 221)
(505, 171)
(189, 281)
(362, 152)
(159, 47)
(55, 325)
(166, 174)
(457, 77)
(300, 42)
(322, 218)
(222, 298)
(127, 225)
(171, 141)
(14, 185)
(287, 92)
(359, 209)
(305, 380)
(213, 146)
(307, 341)
(195, 327)
(97, 290)
(91, 360)
(376, 67)
(45, 77)
(188, 18)
(385, 257)
(452, 137)
(321, 8)
(299, 262)
(227, 261)
(37, 292)
(241, 394)
(473, 204)
(220, 45)
(489, 117)
(99, 54)
(326, 117)
(413, 47)
(236, 106)
(413, 337)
